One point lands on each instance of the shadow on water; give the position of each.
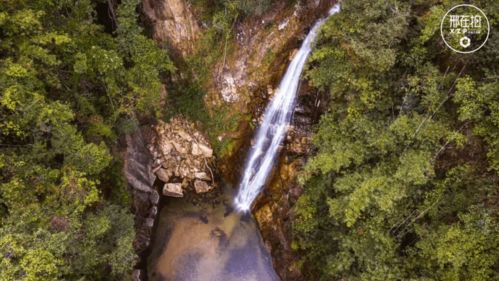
(206, 242)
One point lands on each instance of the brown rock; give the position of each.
(185, 183)
(202, 176)
(206, 151)
(263, 215)
(163, 174)
(195, 150)
(183, 170)
(202, 186)
(185, 155)
(180, 148)
(173, 190)
(165, 146)
(184, 135)
(169, 163)
(173, 23)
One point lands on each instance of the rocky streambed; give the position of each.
(195, 235)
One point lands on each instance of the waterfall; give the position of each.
(272, 131)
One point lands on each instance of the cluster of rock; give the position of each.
(176, 154)
(182, 158)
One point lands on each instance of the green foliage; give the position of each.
(68, 89)
(402, 183)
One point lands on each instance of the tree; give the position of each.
(66, 86)
(400, 188)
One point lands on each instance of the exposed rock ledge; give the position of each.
(182, 158)
(173, 24)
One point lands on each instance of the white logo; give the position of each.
(465, 42)
(465, 28)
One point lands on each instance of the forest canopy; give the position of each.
(404, 183)
(70, 86)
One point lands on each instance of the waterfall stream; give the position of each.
(276, 119)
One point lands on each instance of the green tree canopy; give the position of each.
(404, 182)
(66, 86)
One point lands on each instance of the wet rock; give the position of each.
(203, 218)
(154, 197)
(173, 190)
(149, 223)
(202, 186)
(142, 239)
(153, 212)
(217, 233)
(137, 275)
(265, 43)
(264, 215)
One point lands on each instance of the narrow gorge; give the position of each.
(210, 236)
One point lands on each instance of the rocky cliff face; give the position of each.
(273, 209)
(263, 48)
(138, 172)
(246, 79)
(173, 24)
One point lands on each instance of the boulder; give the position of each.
(195, 150)
(202, 176)
(153, 212)
(206, 151)
(173, 190)
(137, 275)
(169, 163)
(184, 135)
(149, 223)
(163, 174)
(201, 186)
(180, 148)
(154, 197)
(165, 146)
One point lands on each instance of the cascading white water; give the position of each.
(276, 120)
